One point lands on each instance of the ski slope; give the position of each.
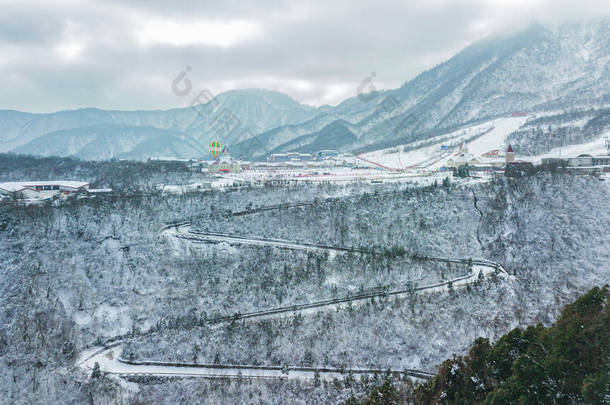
(478, 139)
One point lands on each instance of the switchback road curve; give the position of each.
(109, 356)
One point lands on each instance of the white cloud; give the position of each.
(70, 50)
(221, 33)
(124, 55)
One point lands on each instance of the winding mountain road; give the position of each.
(109, 356)
(183, 231)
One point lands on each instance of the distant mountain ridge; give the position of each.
(541, 68)
(187, 131)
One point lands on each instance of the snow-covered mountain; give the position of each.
(106, 141)
(97, 134)
(540, 69)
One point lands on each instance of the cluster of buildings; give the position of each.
(465, 163)
(583, 163)
(225, 163)
(461, 162)
(490, 161)
(323, 158)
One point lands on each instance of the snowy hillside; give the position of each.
(108, 141)
(104, 269)
(560, 129)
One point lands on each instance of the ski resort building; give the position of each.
(580, 161)
(224, 164)
(326, 154)
(289, 157)
(42, 189)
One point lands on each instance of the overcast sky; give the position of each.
(109, 54)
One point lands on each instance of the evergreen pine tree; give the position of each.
(96, 373)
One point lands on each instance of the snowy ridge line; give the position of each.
(411, 372)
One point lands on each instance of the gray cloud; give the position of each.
(104, 54)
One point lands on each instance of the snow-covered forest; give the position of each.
(553, 130)
(89, 270)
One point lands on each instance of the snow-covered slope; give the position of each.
(111, 140)
(477, 139)
(560, 128)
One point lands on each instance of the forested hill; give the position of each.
(566, 363)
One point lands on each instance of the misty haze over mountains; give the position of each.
(563, 68)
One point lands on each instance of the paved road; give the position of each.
(183, 231)
(110, 362)
(109, 356)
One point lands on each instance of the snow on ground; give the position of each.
(496, 138)
(183, 188)
(332, 175)
(419, 165)
(432, 157)
(382, 166)
(596, 147)
(108, 361)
